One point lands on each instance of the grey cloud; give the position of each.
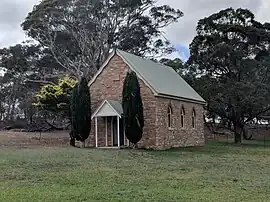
(184, 31)
(263, 15)
(12, 14)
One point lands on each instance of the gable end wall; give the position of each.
(108, 86)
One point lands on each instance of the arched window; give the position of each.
(193, 118)
(182, 117)
(170, 113)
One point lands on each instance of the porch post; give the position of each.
(118, 130)
(106, 129)
(96, 132)
(112, 131)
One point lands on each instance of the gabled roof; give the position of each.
(108, 108)
(117, 106)
(161, 79)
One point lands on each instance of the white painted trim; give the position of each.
(96, 132)
(106, 131)
(108, 147)
(97, 110)
(101, 68)
(118, 131)
(103, 103)
(112, 131)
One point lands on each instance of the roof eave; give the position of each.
(102, 68)
(201, 102)
(98, 109)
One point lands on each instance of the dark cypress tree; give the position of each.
(73, 100)
(80, 112)
(132, 108)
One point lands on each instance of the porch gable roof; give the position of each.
(108, 108)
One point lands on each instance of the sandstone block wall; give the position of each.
(176, 135)
(157, 134)
(109, 85)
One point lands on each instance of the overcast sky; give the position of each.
(13, 12)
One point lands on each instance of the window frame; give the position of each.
(182, 117)
(170, 116)
(193, 118)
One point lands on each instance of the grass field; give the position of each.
(216, 172)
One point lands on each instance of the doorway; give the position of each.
(114, 132)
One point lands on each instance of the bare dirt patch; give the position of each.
(33, 140)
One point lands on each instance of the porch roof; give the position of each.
(109, 108)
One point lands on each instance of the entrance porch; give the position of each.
(109, 126)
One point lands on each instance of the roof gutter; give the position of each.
(181, 99)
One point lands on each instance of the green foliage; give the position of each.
(176, 64)
(56, 97)
(230, 54)
(25, 67)
(80, 109)
(80, 34)
(132, 108)
(18, 65)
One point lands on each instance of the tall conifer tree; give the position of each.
(132, 108)
(80, 111)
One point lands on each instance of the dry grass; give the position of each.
(10, 139)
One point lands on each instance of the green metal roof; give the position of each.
(116, 105)
(163, 79)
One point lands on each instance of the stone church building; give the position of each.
(173, 110)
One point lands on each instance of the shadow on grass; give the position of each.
(214, 148)
(256, 143)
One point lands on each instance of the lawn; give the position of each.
(216, 172)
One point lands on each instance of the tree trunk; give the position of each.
(72, 139)
(13, 111)
(25, 114)
(31, 118)
(8, 116)
(72, 142)
(237, 134)
(246, 134)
